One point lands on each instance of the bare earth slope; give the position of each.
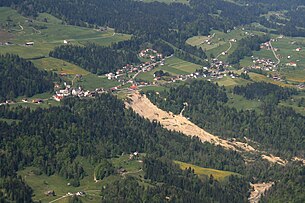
(144, 107)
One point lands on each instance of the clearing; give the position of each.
(217, 174)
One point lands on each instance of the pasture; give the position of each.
(47, 32)
(217, 174)
(174, 66)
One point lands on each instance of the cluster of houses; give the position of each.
(150, 54)
(77, 92)
(27, 44)
(263, 63)
(155, 60)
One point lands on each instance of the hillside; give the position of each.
(19, 77)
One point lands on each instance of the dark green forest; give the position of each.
(96, 59)
(19, 77)
(97, 129)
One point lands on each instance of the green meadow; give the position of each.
(174, 66)
(217, 174)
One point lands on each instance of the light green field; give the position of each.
(231, 83)
(217, 174)
(167, 1)
(241, 103)
(174, 66)
(9, 121)
(220, 41)
(91, 82)
(261, 78)
(293, 103)
(53, 34)
(59, 66)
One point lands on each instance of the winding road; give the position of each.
(225, 51)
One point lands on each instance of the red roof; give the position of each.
(134, 87)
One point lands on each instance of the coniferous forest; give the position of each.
(19, 77)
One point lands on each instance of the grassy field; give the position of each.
(217, 174)
(47, 35)
(241, 103)
(228, 82)
(43, 183)
(59, 66)
(167, 1)
(91, 82)
(220, 41)
(293, 103)
(262, 78)
(174, 66)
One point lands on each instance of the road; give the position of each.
(184, 105)
(225, 51)
(278, 60)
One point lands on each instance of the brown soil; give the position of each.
(258, 190)
(145, 108)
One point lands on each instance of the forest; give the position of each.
(96, 59)
(19, 77)
(52, 139)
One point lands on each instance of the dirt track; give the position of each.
(143, 106)
(258, 190)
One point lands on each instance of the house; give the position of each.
(298, 49)
(25, 100)
(58, 97)
(80, 194)
(292, 64)
(37, 101)
(50, 193)
(66, 42)
(133, 87)
(29, 44)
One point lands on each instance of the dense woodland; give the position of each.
(278, 129)
(260, 90)
(97, 129)
(19, 77)
(96, 59)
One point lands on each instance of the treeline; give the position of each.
(278, 129)
(245, 47)
(96, 59)
(19, 77)
(171, 184)
(259, 90)
(97, 129)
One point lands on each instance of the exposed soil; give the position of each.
(258, 190)
(145, 108)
